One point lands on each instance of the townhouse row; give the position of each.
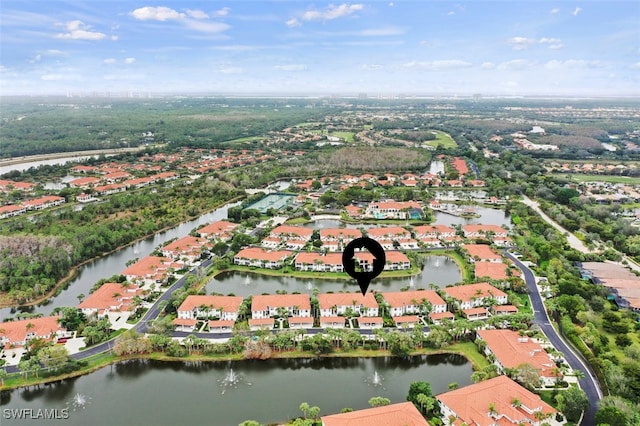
(406, 308)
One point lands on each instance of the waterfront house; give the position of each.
(413, 302)
(335, 239)
(110, 297)
(400, 414)
(497, 401)
(261, 258)
(312, 261)
(335, 304)
(483, 231)
(469, 296)
(151, 270)
(212, 307)
(220, 230)
(186, 250)
(266, 306)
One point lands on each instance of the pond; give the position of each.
(438, 269)
(143, 392)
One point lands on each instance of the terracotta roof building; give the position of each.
(220, 230)
(110, 297)
(17, 333)
(334, 304)
(411, 302)
(493, 402)
(401, 414)
(481, 252)
(474, 295)
(262, 258)
(265, 306)
(511, 350)
(222, 307)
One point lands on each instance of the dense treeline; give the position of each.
(93, 231)
(30, 128)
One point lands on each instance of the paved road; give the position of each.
(574, 242)
(589, 384)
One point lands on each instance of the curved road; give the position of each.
(589, 384)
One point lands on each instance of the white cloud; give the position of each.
(109, 61)
(293, 22)
(424, 43)
(573, 64)
(554, 43)
(520, 43)
(332, 12)
(78, 30)
(438, 65)
(291, 67)
(230, 70)
(555, 10)
(381, 32)
(36, 58)
(488, 65)
(372, 66)
(129, 60)
(206, 27)
(3, 68)
(222, 12)
(636, 66)
(576, 11)
(515, 64)
(197, 14)
(161, 13)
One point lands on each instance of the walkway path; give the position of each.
(589, 383)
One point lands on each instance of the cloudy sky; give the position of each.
(503, 47)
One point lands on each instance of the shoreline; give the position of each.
(73, 272)
(110, 359)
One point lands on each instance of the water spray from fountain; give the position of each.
(375, 380)
(231, 380)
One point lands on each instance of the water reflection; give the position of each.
(278, 387)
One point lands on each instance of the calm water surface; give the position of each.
(162, 393)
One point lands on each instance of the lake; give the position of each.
(143, 392)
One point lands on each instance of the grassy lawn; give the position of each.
(600, 178)
(346, 136)
(443, 139)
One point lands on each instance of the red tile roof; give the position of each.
(399, 298)
(301, 232)
(491, 270)
(401, 414)
(261, 302)
(387, 231)
(16, 331)
(471, 403)
(223, 303)
(511, 350)
(327, 300)
(482, 251)
(258, 253)
(111, 296)
(467, 291)
(339, 233)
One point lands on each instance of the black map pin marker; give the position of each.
(351, 264)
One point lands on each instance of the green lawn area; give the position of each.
(346, 136)
(442, 139)
(600, 178)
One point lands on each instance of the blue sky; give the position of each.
(566, 48)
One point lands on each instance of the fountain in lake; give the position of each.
(309, 286)
(79, 401)
(375, 380)
(231, 380)
(247, 281)
(411, 284)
